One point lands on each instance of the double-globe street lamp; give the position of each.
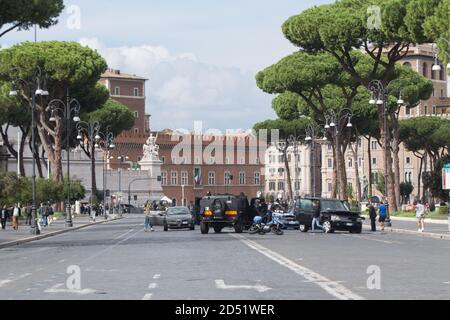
(107, 144)
(436, 66)
(91, 132)
(337, 123)
(379, 97)
(68, 109)
(37, 87)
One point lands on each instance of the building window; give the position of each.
(281, 186)
(117, 91)
(136, 130)
(197, 176)
(257, 178)
(330, 187)
(425, 70)
(408, 177)
(360, 160)
(374, 161)
(330, 163)
(434, 110)
(272, 186)
(241, 178)
(407, 64)
(408, 160)
(329, 147)
(174, 178)
(184, 178)
(280, 171)
(374, 145)
(297, 185)
(136, 92)
(136, 114)
(227, 178)
(211, 178)
(374, 177)
(408, 111)
(164, 178)
(350, 162)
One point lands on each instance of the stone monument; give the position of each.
(151, 164)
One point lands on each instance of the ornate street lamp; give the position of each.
(36, 87)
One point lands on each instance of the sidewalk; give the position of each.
(10, 237)
(433, 228)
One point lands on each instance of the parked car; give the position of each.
(178, 218)
(335, 215)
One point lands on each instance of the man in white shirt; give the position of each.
(420, 215)
(16, 215)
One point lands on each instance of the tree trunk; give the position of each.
(22, 142)
(335, 179)
(396, 151)
(424, 190)
(342, 172)
(369, 154)
(355, 160)
(288, 172)
(419, 176)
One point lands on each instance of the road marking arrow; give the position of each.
(220, 284)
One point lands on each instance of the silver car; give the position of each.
(178, 218)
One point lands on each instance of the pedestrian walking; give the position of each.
(92, 212)
(382, 213)
(50, 214)
(147, 222)
(316, 216)
(16, 216)
(373, 217)
(3, 216)
(420, 215)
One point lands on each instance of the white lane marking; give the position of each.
(220, 284)
(101, 270)
(148, 296)
(332, 287)
(447, 282)
(156, 276)
(371, 239)
(152, 286)
(58, 289)
(7, 281)
(62, 261)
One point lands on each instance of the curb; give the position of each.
(422, 234)
(51, 234)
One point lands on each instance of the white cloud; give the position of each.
(182, 89)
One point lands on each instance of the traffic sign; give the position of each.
(446, 177)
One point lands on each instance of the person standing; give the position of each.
(28, 215)
(316, 216)
(382, 212)
(420, 215)
(3, 216)
(147, 222)
(16, 215)
(373, 217)
(50, 215)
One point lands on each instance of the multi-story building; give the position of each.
(195, 164)
(421, 59)
(130, 91)
(301, 166)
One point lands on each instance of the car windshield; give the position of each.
(333, 205)
(177, 211)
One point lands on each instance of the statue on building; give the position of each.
(151, 149)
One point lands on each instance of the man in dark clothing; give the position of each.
(316, 216)
(373, 217)
(28, 215)
(3, 217)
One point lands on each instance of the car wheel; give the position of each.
(327, 227)
(204, 228)
(166, 227)
(303, 228)
(277, 231)
(238, 228)
(217, 229)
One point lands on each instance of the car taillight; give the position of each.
(231, 213)
(207, 213)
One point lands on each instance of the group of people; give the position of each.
(421, 212)
(44, 215)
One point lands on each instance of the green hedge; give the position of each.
(443, 210)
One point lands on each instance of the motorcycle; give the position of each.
(275, 225)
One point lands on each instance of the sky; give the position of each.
(200, 56)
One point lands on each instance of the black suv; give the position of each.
(222, 211)
(335, 215)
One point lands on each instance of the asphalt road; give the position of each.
(119, 260)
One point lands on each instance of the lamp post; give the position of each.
(107, 144)
(436, 65)
(337, 123)
(71, 106)
(91, 132)
(35, 87)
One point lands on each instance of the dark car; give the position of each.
(335, 215)
(222, 211)
(178, 218)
